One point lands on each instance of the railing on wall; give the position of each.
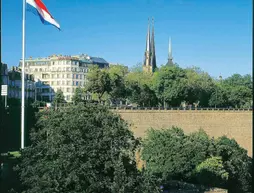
(64, 105)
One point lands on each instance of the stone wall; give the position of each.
(234, 124)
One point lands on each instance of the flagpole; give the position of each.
(23, 79)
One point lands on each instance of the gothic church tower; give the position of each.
(150, 57)
(170, 58)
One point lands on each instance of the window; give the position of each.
(68, 90)
(69, 83)
(46, 82)
(45, 76)
(68, 75)
(58, 75)
(58, 82)
(77, 83)
(73, 83)
(76, 76)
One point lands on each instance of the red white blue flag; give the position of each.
(38, 8)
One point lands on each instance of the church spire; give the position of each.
(150, 57)
(170, 58)
(153, 56)
(170, 49)
(148, 38)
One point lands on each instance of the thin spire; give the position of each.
(148, 37)
(170, 49)
(153, 56)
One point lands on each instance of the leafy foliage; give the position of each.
(237, 163)
(79, 95)
(171, 155)
(99, 82)
(81, 149)
(59, 97)
(211, 172)
(170, 86)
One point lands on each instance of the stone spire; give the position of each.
(148, 38)
(147, 50)
(170, 58)
(150, 57)
(153, 55)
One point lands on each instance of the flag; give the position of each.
(37, 7)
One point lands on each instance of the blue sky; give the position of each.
(213, 35)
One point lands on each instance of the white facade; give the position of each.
(59, 72)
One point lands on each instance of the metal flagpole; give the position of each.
(23, 79)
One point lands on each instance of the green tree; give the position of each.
(98, 82)
(170, 85)
(59, 98)
(82, 149)
(171, 155)
(237, 163)
(199, 86)
(79, 95)
(239, 90)
(219, 97)
(118, 89)
(212, 173)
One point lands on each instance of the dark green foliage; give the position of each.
(79, 95)
(142, 95)
(58, 98)
(171, 155)
(237, 163)
(235, 91)
(211, 172)
(81, 149)
(99, 82)
(171, 85)
(118, 89)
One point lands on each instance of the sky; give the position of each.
(215, 35)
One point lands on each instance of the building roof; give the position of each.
(97, 60)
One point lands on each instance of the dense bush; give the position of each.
(81, 149)
(169, 154)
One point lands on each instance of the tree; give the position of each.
(59, 98)
(81, 149)
(171, 155)
(199, 86)
(79, 95)
(237, 163)
(99, 82)
(239, 90)
(170, 85)
(212, 173)
(219, 97)
(118, 89)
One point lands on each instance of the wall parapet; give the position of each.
(180, 109)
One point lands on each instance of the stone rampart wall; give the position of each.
(235, 124)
